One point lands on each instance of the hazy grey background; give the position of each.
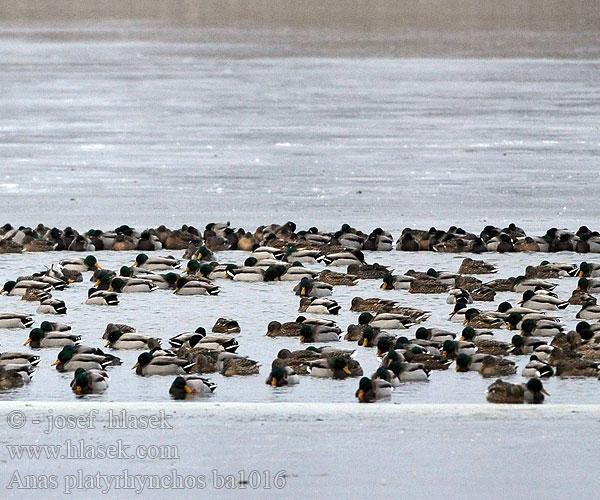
(373, 112)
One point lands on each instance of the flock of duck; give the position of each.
(280, 253)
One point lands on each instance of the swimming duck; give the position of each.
(576, 368)
(185, 386)
(131, 285)
(434, 334)
(15, 377)
(119, 340)
(69, 360)
(524, 345)
(13, 360)
(82, 265)
(246, 273)
(469, 362)
(477, 319)
(317, 305)
(160, 365)
(459, 295)
(588, 285)
(266, 252)
(368, 271)
(333, 278)
(342, 258)
(496, 366)
(335, 367)
(52, 306)
(409, 372)
(298, 360)
(542, 302)
(312, 288)
(196, 286)
(226, 325)
(428, 285)
(49, 326)
(101, 298)
(281, 376)
(233, 364)
(402, 282)
(536, 368)
(503, 392)
(15, 320)
(470, 266)
(39, 338)
(485, 343)
(588, 270)
(307, 255)
(89, 381)
(296, 272)
(540, 328)
(502, 284)
(588, 311)
(370, 391)
(156, 263)
(310, 334)
(385, 320)
(453, 348)
(429, 361)
(20, 288)
(523, 284)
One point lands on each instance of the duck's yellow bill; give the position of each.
(545, 392)
(55, 363)
(78, 389)
(508, 326)
(27, 342)
(97, 283)
(97, 266)
(361, 395)
(580, 274)
(384, 285)
(110, 288)
(347, 370)
(365, 342)
(303, 291)
(187, 389)
(274, 382)
(107, 344)
(462, 338)
(135, 264)
(135, 366)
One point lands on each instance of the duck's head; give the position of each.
(582, 284)
(513, 320)
(143, 359)
(113, 337)
(194, 339)
(346, 228)
(116, 284)
(470, 314)
(180, 283)
(395, 367)
(206, 269)
(277, 375)
(192, 266)
(527, 327)
(468, 334)
(171, 279)
(365, 385)
(35, 335)
(304, 286)
(432, 272)
(581, 326)
(272, 274)
(367, 336)
(527, 295)
(306, 333)
(535, 385)
(250, 262)
(449, 346)
(8, 286)
(126, 271)
(65, 355)
(401, 342)
(384, 345)
(365, 318)
(46, 326)
(391, 357)
(103, 278)
(382, 373)
(422, 333)
(338, 363)
(203, 253)
(504, 306)
(90, 261)
(180, 389)
(517, 341)
(587, 334)
(140, 260)
(462, 362)
(584, 270)
(388, 281)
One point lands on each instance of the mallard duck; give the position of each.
(266, 252)
(156, 263)
(588, 285)
(299, 360)
(214, 343)
(336, 367)
(469, 362)
(308, 255)
(386, 320)
(368, 271)
(408, 372)
(541, 302)
(89, 263)
(32, 295)
(101, 298)
(233, 364)
(508, 309)
(389, 306)
(69, 360)
(434, 334)
(162, 281)
(470, 266)
(540, 328)
(20, 288)
(536, 368)
(388, 375)
(38, 338)
(147, 364)
(505, 393)
(496, 366)
(197, 286)
(524, 345)
(15, 320)
(501, 284)
(588, 270)
(458, 313)
(459, 295)
(523, 284)
(335, 279)
(282, 375)
(247, 274)
(89, 381)
(310, 334)
(226, 325)
(477, 319)
(185, 386)
(313, 288)
(14, 359)
(52, 306)
(428, 285)
(393, 282)
(485, 343)
(119, 340)
(483, 294)
(316, 305)
(429, 361)
(452, 348)
(372, 337)
(576, 368)
(15, 377)
(131, 285)
(588, 311)
(370, 391)
(296, 272)
(50, 326)
(342, 258)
